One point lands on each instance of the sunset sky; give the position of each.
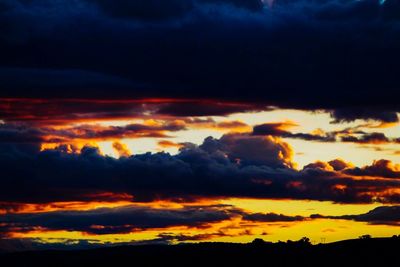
(140, 122)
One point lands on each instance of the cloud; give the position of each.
(229, 50)
(63, 111)
(369, 138)
(271, 217)
(376, 138)
(121, 149)
(379, 168)
(279, 129)
(210, 123)
(145, 10)
(133, 218)
(156, 10)
(168, 144)
(27, 133)
(348, 135)
(208, 108)
(19, 133)
(339, 164)
(116, 220)
(252, 150)
(352, 114)
(386, 215)
(236, 165)
(321, 165)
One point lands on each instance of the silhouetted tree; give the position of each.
(258, 242)
(302, 241)
(364, 237)
(305, 240)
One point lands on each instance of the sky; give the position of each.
(165, 122)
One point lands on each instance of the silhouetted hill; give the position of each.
(360, 252)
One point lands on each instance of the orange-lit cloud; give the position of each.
(168, 144)
(121, 149)
(73, 137)
(59, 206)
(333, 165)
(66, 111)
(74, 148)
(209, 123)
(379, 125)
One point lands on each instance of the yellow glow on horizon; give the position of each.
(234, 231)
(237, 230)
(298, 207)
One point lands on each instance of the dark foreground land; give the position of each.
(370, 252)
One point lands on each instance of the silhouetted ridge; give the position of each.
(358, 252)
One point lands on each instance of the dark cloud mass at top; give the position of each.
(326, 54)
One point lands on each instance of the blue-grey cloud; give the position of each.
(236, 165)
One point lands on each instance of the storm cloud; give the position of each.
(236, 165)
(340, 56)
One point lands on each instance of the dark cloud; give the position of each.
(331, 55)
(208, 108)
(270, 129)
(25, 133)
(389, 215)
(352, 114)
(339, 164)
(116, 220)
(145, 10)
(63, 111)
(379, 168)
(20, 133)
(251, 150)
(136, 218)
(236, 165)
(275, 129)
(369, 138)
(253, 5)
(46, 79)
(271, 217)
(156, 10)
(349, 135)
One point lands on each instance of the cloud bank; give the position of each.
(336, 55)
